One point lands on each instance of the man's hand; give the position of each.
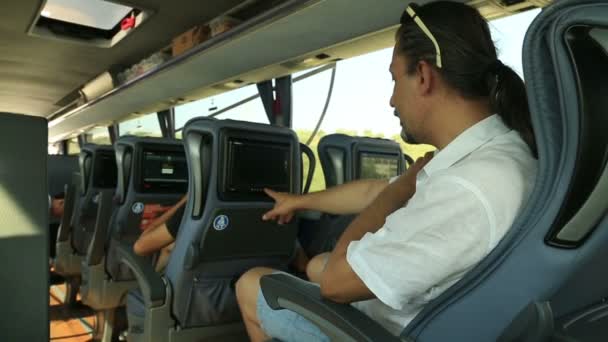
(284, 207)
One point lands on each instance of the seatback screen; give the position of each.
(378, 166)
(163, 172)
(105, 172)
(255, 165)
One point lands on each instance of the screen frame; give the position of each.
(95, 170)
(138, 180)
(378, 148)
(228, 134)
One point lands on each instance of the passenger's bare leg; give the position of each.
(163, 257)
(316, 266)
(247, 290)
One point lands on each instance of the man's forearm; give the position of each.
(349, 198)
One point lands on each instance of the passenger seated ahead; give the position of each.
(421, 232)
(160, 234)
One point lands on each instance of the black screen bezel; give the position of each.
(226, 135)
(151, 147)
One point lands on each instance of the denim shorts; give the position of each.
(286, 325)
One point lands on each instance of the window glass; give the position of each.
(73, 147)
(99, 136)
(252, 111)
(508, 34)
(143, 126)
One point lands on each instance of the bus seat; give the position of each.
(59, 173)
(555, 253)
(152, 175)
(62, 261)
(344, 159)
(98, 172)
(222, 234)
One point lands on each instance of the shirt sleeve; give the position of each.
(174, 222)
(442, 232)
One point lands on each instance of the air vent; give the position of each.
(94, 22)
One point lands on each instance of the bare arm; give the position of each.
(349, 198)
(166, 215)
(157, 236)
(153, 240)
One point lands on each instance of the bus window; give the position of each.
(98, 135)
(73, 147)
(143, 126)
(252, 111)
(309, 97)
(508, 34)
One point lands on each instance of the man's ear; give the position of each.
(425, 78)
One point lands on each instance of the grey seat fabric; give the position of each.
(151, 178)
(98, 172)
(553, 259)
(208, 258)
(59, 173)
(340, 156)
(222, 258)
(126, 220)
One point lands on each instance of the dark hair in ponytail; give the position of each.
(469, 61)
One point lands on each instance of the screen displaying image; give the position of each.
(253, 166)
(164, 171)
(378, 166)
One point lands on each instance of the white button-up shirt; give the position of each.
(466, 199)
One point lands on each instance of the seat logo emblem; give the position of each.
(137, 208)
(220, 222)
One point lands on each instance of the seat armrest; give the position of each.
(340, 322)
(151, 283)
(95, 252)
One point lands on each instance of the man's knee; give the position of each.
(315, 267)
(138, 248)
(248, 285)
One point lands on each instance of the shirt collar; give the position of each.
(468, 141)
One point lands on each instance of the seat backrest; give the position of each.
(59, 173)
(152, 177)
(556, 250)
(97, 172)
(222, 234)
(345, 158)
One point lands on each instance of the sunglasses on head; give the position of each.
(411, 13)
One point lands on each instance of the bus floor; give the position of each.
(69, 324)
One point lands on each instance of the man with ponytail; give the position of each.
(419, 233)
